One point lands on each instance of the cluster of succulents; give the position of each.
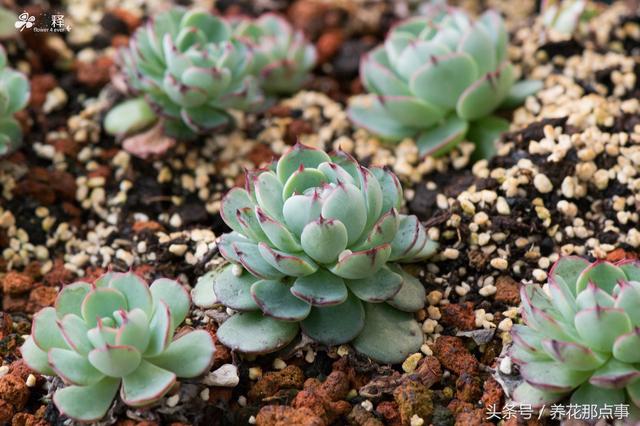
(438, 79)
(582, 336)
(316, 245)
(282, 57)
(14, 96)
(191, 68)
(117, 333)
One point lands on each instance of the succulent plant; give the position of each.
(582, 336)
(283, 58)
(563, 16)
(14, 95)
(315, 246)
(117, 333)
(190, 70)
(438, 79)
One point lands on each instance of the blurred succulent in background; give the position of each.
(438, 79)
(189, 70)
(563, 16)
(582, 336)
(282, 57)
(117, 333)
(14, 95)
(319, 238)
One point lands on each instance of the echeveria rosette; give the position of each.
(14, 96)
(582, 337)
(283, 57)
(117, 333)
(319, 238)
(190, 70)
(438, 79)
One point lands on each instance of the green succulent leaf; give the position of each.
(411, 296)
(35, 357)
(371, 114)
(486, 94)
(251, 258)
(146, 384)
(277, 233)
(361, 264)
(295, 265)
(45, 331)
(587, 394)
(300, 155)
(569, 268)
(161, 330)
(625, 348)
(442, 138)
(573, 355)
(234, 291)
(598, 327)
(74, 332)
(203, 294)
(628, 299)
(101, 302)
(552, 377)
(87, 403)
(389, 335)
(602, 274)
(190, 355)
(324, 239)
(130, 116)
(442, 79)
(135, 291)
(381, 286)
(321, 324)
(345, 203)
(254, 333)
(614, 375)
(69, 300)
(115, 361)
(276, 300)
(174, 295)
(73, 367)
(321, 288)
(478, 44)
(527, 394)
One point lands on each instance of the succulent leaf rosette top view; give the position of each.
(582, 336)
(117, 333)
(316, 245)
(283, 57)
(190, 69)
(438, 79)
(14, 95)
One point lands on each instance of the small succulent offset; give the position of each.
(190, 70)
(319, 238)
(283, 57)
(438, 79)
(14, 95)
(583, 337)
(117, 333)
(563, 16)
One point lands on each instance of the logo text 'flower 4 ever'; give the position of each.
(56, 23)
